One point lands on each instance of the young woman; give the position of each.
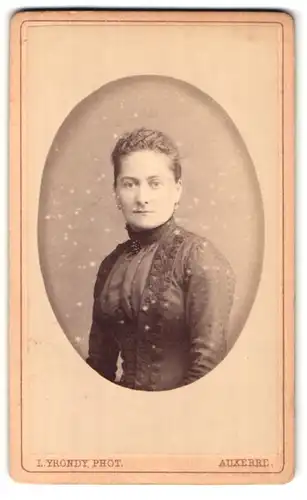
(162, 298)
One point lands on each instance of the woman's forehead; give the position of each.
(144, 164)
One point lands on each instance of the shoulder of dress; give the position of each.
(110, 259)
(190, 239)
(106, 266)
(203, 251)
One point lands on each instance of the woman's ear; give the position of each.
(117, 200)
(118, 203)
(179, 190)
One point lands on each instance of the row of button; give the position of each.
(146, 328)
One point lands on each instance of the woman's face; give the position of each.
(146, 189)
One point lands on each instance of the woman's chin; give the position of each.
(142, 227)
(144, 223)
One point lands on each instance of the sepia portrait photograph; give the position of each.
(165, 290)
(152, 338)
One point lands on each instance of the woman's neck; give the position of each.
(148, 236)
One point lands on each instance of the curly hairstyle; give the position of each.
(145, 139)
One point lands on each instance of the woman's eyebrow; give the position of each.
(153, 177)
(127, 177)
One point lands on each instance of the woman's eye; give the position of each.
(128, 184)
(155, 184)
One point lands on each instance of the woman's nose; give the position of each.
(142, 195)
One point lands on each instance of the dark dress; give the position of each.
(162, 301)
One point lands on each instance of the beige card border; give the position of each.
(18, 472)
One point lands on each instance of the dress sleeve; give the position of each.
(103, 349)
(210, 284)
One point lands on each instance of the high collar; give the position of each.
(149, 236)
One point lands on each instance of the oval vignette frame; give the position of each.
(78, 224)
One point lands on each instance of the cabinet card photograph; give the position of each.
(151, 247)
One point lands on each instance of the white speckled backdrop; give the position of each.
(78, 220)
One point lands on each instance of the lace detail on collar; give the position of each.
(140, 239)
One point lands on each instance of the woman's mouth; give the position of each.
(143, 211)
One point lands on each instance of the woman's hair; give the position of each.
(143, 139)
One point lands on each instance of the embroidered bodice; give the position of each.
(161, 301)
(126, 281)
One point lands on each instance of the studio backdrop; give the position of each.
(78, 223)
